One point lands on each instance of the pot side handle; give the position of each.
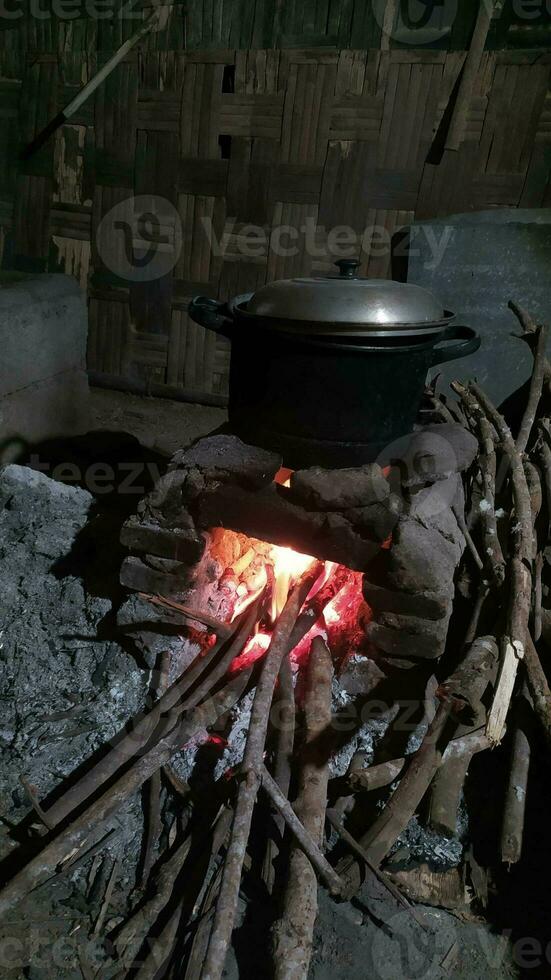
(211, 314)
(469, 342)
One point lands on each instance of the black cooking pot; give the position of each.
(331, 371)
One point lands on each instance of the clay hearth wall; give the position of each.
(248, 113)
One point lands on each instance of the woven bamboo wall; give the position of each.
(261, 137)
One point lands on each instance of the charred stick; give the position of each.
(223, 630)
(448, 782)
(143, 727)
(304, 839)
(512, 829)
(285, 731)
(536, 385)
(293, 934)
(74, 835)
(226, 905)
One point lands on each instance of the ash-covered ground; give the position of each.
(68, 683)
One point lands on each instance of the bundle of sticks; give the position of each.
(190, 893)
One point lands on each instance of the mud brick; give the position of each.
(167, 501)
(377, 521)
(174, 544)
(428, 605)
(339, 490)
(227, 459)
(420, 560)
(139, 577)
(271, 515)
(425, 645)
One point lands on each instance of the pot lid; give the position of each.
(349, 303)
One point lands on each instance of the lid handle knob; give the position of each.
(347, 268)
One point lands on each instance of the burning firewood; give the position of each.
(294, 931)
(226, 905)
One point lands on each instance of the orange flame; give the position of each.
(288, 566)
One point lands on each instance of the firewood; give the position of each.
(106, 898)
(384, 773)
(143, 727)
(293, 933)
(459, 694)
(537, 610)
(77, 832)
(512, 828)
(133, 932)
(337, 825)
(448, 782)
(463, 690)
(284, 704)
(161, 947)
(530, 335)
(522, 529)
(226, 905)
(302, 836)
(393, 820)
(512, 653)
(538, 687)
(495, 562)
(153, 787)
(536, 385)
